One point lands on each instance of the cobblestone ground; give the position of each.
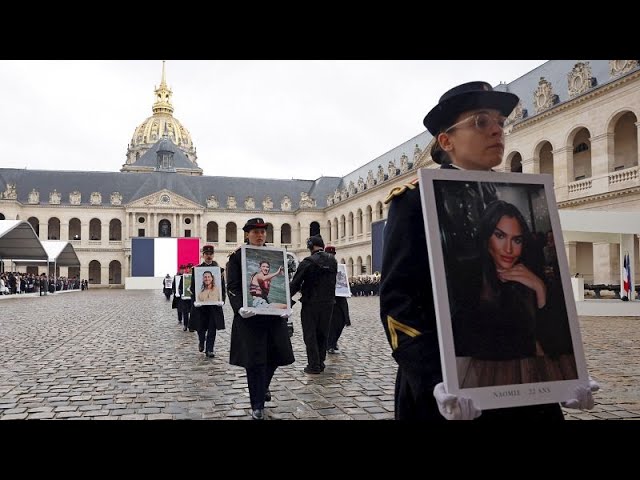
(115, 354)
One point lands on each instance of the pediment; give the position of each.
(164, 199)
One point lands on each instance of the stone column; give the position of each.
(64, 231)
(178, 225)
(84, 271)
(602, 162)
(562, 171)
(277, 236)
(637, 124)
(603, 270)
(529, 165)
(104, 274)
(104, 232)
(84, 233)
(367, 222)
(126, 234)
(44, 231)
(572, 257)
(174, 230)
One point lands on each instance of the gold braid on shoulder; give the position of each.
(397, 191)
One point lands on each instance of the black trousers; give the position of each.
(316, 320)
(335, 330)
(259, 379)
(183, 312)
(207, 331)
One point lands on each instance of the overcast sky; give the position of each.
(267, 119)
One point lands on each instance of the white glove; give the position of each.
(245, 313)
(286, 314)
(583, 396)
(454, 408)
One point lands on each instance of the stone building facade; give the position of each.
(577, 120)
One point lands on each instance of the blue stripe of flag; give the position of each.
(142, 257)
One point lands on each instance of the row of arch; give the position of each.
(621, 148)
(354, 224)
(231, 232)
(75, 228)
(357, 267)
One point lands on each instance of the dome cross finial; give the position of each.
(163, 94)
(163, 83)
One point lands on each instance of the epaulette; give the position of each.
(397, 191)
(236, 250)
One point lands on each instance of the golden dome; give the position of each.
(152, 129)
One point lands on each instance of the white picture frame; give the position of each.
(176, 285)
(270, 263)
(202, 276)
(167, 282)
(343, 289)
(481, 345)
(186, 286)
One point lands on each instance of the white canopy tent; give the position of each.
(59, 252)
(595, 226)
(19, 240)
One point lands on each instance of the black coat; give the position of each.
(315, 278)
(257, 340)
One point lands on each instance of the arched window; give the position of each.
(35, 223)
(212, 232)
(54, 229)
(164, 228)
(115, 276)
(75, 229)
(232, 233)
(95, 229)
(285, 234)
(115, 230)
(269, 238)
(314, 229)
(95, 272)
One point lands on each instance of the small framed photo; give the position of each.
(342, 282)
(186, 287)
(176, 285)
(507, 322)
(208, 286)
(265, 286)
(168, 282)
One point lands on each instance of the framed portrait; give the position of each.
(208, 286)
(265, 286)
(186, 287)
(168, 282)
(507, 322)
(176, 285)
(342, 282)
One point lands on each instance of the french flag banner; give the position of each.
(155, 257)
(626, 273)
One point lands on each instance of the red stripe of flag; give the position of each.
(188, 251)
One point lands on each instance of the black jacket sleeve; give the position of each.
(406, 299)
(296, 282)
(234, 281)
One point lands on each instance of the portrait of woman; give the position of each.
(209, 292)
(496, 326)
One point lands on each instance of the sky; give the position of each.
(247, 118)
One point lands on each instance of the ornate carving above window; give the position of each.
(10, 192)
(231, 202)
(116, 198)
(54, 197)
(352, 188)
(267, 203)
(380, 176)
(212, 202)
(285, 204)
(517, 114)
(543, 97)
(370, 180)
(580, 79)
(34, 197)
(391, 169)
(361, 185)
(249, 203)
(620, 67)
(306, 201)
(404, 163)
(75, 198)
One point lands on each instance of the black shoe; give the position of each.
(312, 371)
(267, 396)
(336, 347)
(210, 354)
(257, 414)
(201, 347)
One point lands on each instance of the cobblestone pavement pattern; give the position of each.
(115, 354)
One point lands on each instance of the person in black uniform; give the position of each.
(175, 303)
(315, 278)
(259, 343)
(211, 317)
(166, 288)
(467, 125)
(339, 316)
(184, 302)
